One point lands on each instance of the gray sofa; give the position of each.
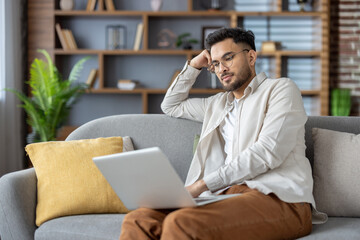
(18, 189)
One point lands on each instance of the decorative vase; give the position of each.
(66, 4)
(213, 4)
(156, 5)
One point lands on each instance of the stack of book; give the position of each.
(127, 84)
(66, 37)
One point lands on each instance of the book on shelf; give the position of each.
(176, 73)
(70, 38)
(92, 78)
(90, 5)
(61, 36)
(138, 36)
(109, 5)
(101, 5)
(126, 84)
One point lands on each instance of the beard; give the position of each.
(239, 81)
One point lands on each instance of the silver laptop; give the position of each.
(145, 178)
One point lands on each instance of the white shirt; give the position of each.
(227, 130)
(268, 148)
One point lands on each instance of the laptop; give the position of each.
(146, 178)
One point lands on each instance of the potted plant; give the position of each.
(340, 102)
(52, 97)
(184, 41)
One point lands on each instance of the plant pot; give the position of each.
(187, 46)
(340, 102)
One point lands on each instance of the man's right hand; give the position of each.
(201, 60)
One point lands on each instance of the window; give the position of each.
(2, 49)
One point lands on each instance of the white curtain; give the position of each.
(11, 76)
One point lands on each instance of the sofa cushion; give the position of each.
(82, 227)
(335, 228)
(336, 172)
(69, 182)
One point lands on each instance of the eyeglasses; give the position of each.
(226, 61)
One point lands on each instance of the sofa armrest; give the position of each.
(18, 205)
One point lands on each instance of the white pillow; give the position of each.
(337, 172)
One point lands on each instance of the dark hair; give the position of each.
(238, 35)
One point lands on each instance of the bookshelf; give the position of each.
(45, 14)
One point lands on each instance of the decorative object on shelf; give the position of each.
(66, 5)
(302, 4)
(206, 30)
(52, 97)
(270, 46)
(340, 102)
(166, 39)
(186, 42)
(126, 84)
(115, 37)
(213, 4)
(156, 5)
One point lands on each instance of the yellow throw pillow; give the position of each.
(69, 183)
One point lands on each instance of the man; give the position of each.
(252, 142)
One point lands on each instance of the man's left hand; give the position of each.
(197, 188)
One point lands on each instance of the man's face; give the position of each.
(235, 76)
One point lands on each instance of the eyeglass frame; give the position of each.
(230, 58)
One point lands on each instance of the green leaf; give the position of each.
(52, 97)
(75, 71)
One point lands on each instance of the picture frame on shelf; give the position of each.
(206, 30)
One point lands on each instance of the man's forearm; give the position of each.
(176, 102)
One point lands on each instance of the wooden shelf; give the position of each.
(183, 13)
(42, 35)
(151, 91)
(163, 91)
(126, 52)
(177, 52)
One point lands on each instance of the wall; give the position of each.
(345, 48)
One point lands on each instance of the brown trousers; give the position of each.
(251, 215)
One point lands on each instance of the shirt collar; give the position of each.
(255, 83)
(250, 89)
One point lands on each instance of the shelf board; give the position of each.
(126, 52)
(163, 91)
(182, 13)
(290, 53)
(315, 92)
(152, 91)
(176, 52)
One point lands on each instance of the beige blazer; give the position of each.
(269, 143)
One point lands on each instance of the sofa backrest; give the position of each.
(341, 124)
(176, 136)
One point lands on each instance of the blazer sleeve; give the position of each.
(177, 103)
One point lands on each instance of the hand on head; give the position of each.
(201, 60)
